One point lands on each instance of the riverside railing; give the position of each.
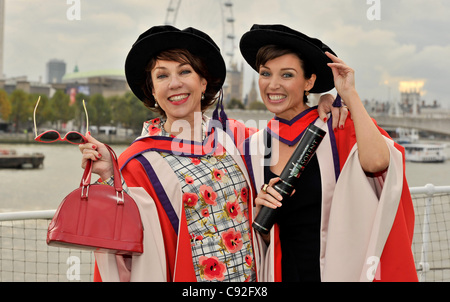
(431, 242)
(25, 256)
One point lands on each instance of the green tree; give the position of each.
(235, 104)
(257, 106)
(62, 111)
(5, 105)
(21, 108)
(120, 110)
(44, 112)
(139, 113)
(102, 111)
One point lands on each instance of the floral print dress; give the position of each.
(215, 198)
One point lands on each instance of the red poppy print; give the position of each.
(195, 238)
(205, 212)
(244, 194)
(156, 121)
(189, 180)
(208, 194)
(211, 268)
(217, 174)
(153, 130)
(190, 199)
(195, 161)
(232, 240)
(248, 260)
(233, 209)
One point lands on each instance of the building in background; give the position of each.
(253, 95)
(105, 82)
(233, 85)
(55, 71)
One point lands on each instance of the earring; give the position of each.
(203, 96)
(305, 97)
(156, 104)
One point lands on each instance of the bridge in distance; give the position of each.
(436, 125)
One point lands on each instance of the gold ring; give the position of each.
(264, 188)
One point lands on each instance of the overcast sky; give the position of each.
(403, 40)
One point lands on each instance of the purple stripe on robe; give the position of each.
(287, 142)
(160, 192)
(334, 151)
(299, 116)
(248, 159)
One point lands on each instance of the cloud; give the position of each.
(409, 42)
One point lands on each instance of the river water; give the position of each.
(44, 189)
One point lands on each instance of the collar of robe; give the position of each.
(180, 147)
(290, 132)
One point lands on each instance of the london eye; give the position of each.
(226, 12)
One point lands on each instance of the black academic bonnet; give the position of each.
(312, 49)
(165, 37)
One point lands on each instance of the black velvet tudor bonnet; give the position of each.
(165, 37)
(312, 49)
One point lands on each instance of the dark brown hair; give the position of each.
(270, 52)
(181, 56)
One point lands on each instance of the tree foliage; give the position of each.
(5, 105)
(257, 106)
(126, 110)
(235, 104)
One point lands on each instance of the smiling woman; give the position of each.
(183, 65)
(319, 234)
(199, 229)
(283, 82)
(178, 91)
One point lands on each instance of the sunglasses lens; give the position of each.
(75, 138)
(49, 136)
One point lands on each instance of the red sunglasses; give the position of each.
(51, 136)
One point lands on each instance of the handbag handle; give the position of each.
(86, 179)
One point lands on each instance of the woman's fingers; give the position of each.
(340, 115)
(325, 106)
(343, 116)
(333, 57)
(89, 151)
(94, 147)
(270, 198)
(99, 154)
(267, 200)
(273, 181)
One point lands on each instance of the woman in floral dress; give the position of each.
(186, 177)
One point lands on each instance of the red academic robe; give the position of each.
(138, 172)
(396, 262)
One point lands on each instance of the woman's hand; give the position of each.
(339, 114)
(344, 77)
(101, 158)
(271, 198)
